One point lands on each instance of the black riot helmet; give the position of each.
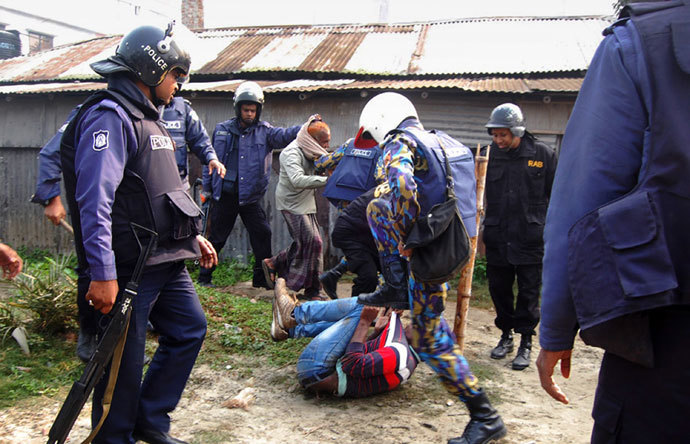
(507, 115)
(248, 92)
(149, 53)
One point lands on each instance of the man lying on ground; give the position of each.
(340, 360)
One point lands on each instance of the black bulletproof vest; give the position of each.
(150, 194)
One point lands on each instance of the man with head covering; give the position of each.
(301, 263)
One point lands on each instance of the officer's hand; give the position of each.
(404, 252)
(209, 257)
(215, 165)
(546, 361)
(102, 295)
(55, 211)
(10, 262)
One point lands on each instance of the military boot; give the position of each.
(505, 345)
(485, 424)
(329, 279)
(86, 345)
(393, 293)
(522, 358)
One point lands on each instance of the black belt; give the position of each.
(306, 382)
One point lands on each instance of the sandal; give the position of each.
(269, 273)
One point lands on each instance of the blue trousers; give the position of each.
(223, 215)
(167, 298)
(331, 324)
(640, 405)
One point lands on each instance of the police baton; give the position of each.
(109, 349)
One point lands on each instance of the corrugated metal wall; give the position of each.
(27, 122)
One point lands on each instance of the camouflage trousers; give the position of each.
(432, 338)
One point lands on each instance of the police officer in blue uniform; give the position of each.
(47, 194)
(118, 162)
(187, 131)
(184, 127)
(518, 184)
(617, 251)
(245, 146)
(353, 170)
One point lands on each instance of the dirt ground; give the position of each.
(420, 411)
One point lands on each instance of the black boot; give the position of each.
(522, 358)
(86, 345)
(485, 424)
(393, 293)
(205, 275)
(505, 346)
(329, 279)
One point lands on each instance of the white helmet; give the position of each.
(383, 113)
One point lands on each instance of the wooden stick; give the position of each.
(66, 226)
(465, 283)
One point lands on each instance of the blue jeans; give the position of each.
(332, 324)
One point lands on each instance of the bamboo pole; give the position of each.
(465, 283)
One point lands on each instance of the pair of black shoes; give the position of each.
(155, 437)
(506, 345)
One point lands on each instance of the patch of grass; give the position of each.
(486, 372)
(33, 255)
(237, 325)
(227, 273)
(481, 297)
(51, 366)
(213, 436)
(47, 295)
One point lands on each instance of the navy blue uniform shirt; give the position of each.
(602, 153)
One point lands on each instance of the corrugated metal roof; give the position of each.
(498, 85)
(499, 47)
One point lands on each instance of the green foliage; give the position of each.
(227, 273)
(8, 321)
(33, 256)
(51, 366)
(46, 299)
(479, 275)
(237, 325)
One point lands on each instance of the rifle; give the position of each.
(117, 328)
